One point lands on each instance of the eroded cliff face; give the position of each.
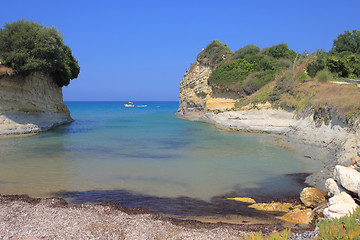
(30, 104)
(196, 93)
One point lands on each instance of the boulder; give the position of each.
(299, 216)
(347, 177)
(340, 205)
(312, 196)
(342, 198)
(332, 187)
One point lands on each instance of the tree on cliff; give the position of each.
(28, 47)
(347, 42)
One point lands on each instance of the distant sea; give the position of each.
(128, 155)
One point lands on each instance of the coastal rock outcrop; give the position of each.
(348, 178)
(30, 104)
(196, 93)
(341, 204)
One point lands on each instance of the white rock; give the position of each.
(347, 177)
(342, 198)
(339, 210)
(331, 187)
(340, 205)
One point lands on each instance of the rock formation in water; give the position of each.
(30, 104)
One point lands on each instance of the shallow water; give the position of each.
(111, 152)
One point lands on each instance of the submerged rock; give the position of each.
(312, 196)
(275, 207)
(242, 199)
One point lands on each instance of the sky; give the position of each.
(138, 50)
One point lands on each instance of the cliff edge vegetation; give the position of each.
(27, 47)
(34, 66)
(282, 77)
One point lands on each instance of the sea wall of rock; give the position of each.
(30, 104)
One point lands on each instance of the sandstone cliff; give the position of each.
(196, 93)
(30, 104)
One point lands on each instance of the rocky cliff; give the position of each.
(30, 104)
(196, 93)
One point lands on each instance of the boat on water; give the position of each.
(129, 104)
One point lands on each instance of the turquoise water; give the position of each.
(148, 151)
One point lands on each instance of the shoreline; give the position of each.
(24, 217)
(331, 144)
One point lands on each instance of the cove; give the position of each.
(146, 151)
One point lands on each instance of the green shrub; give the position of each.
(337, 66)
(249, 50)
(232, 72)
(267, 63)
(284, 63)
(303, 76)
(257, 80)
(28, 47)
(315, 66)
(347, 227)
(323, 75)
(280, 51)
(352, 64)
(212, 54)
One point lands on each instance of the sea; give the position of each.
(146, 156)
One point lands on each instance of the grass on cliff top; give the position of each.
(290, 91)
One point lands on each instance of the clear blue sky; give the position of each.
(139, 50)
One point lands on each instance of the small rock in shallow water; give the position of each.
(275, 207)
(243, 199)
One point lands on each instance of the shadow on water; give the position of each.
(189, 207)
